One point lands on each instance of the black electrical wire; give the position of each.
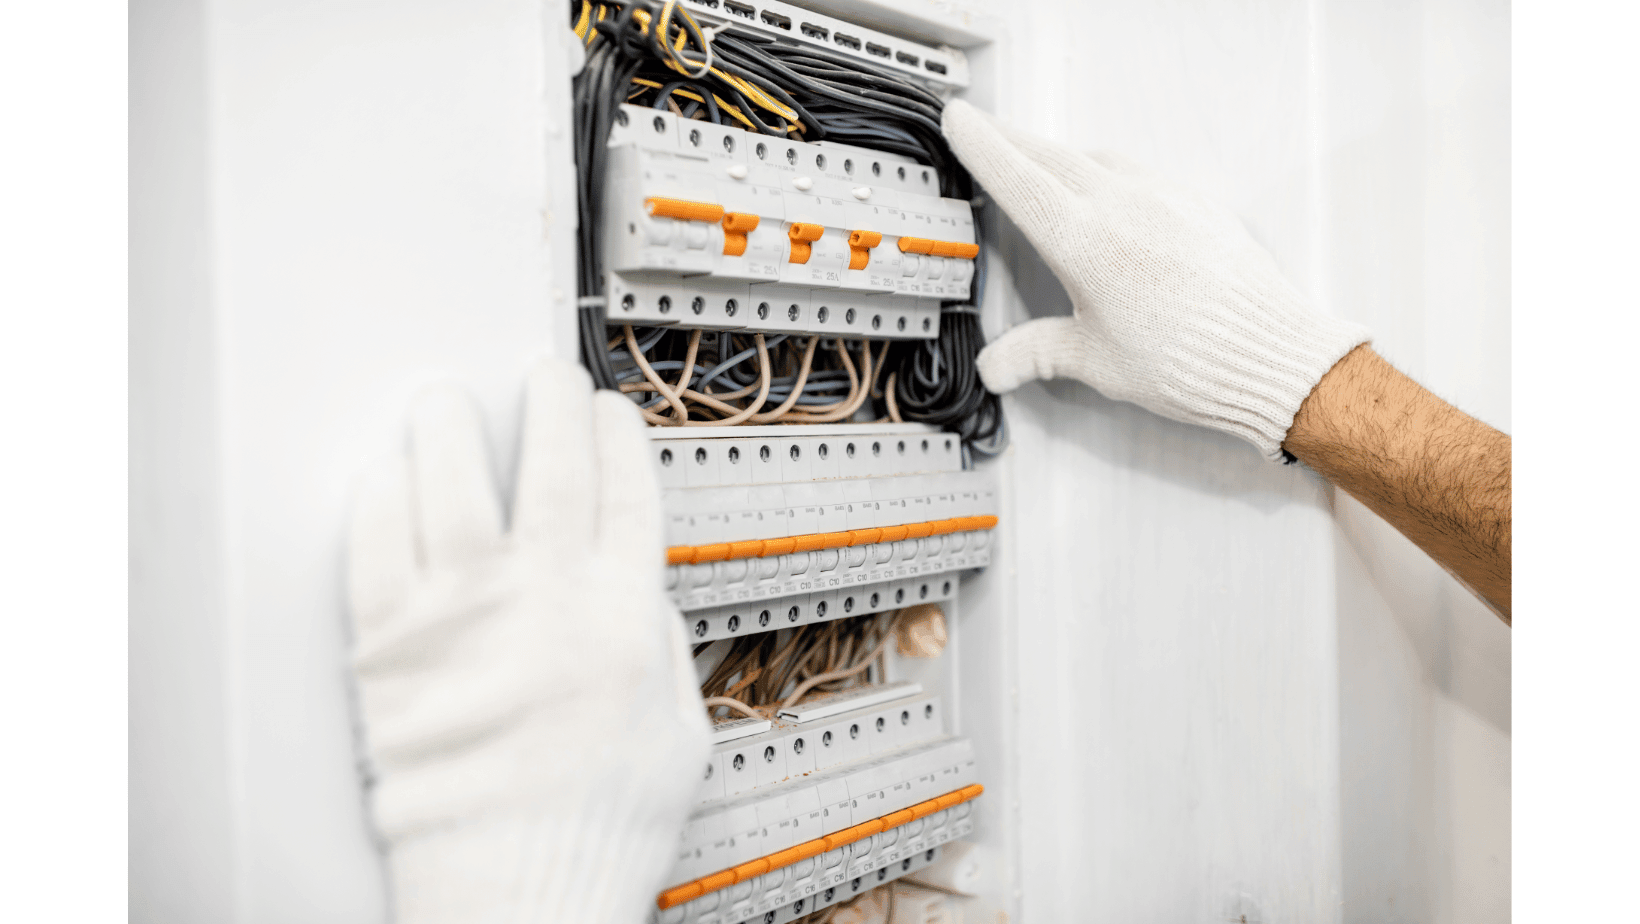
(833, 96)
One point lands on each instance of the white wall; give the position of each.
(336, 203)
(1241, 692)
(1225, 691)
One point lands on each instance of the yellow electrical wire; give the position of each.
(583, 21)
(723, 104)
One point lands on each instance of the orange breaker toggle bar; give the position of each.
(682, 209)
(736, 225)
(690, 891)
(932, 248)
(813, 542)
(859, 247)
(803, 234)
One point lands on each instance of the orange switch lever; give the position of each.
(859, 247)
(802, 234)
(735, 227)
(934, 248)
(954, 249)
(683, 209)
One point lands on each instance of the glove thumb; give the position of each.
(1042, 349)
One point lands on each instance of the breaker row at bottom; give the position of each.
(865, 867)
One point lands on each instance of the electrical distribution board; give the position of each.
(778, 267)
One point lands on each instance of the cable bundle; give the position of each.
(657, 55)
(745, 378)
(759, 675)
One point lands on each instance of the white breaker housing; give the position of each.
(804, 780)
(683, 262)
(738, 484)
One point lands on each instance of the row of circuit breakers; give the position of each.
(708, 226)
(777, 527)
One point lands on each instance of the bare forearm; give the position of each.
(1436, 474)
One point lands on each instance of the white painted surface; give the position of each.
(1240, 692)
(1235, 694)
(375, 182)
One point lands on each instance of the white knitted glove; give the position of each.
(530, 711)
(1178, 310)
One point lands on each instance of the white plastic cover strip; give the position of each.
(735, 729)
(821, 707)
(790, 749)
(786, 454)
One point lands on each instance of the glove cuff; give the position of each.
(601, 861)
(1251, 373)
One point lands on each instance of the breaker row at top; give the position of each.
(706, 225)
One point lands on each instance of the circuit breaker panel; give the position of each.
(780, 268)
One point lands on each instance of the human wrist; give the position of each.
(1436, 474)
(1347, 427)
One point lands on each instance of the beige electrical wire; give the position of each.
(715, 410)
(764, 369)
(735, 415)
(869, 381)
(687, 374)
(818, 679)
(757, 671)
(658, 385)
(853, 384)
(893, 408)
(797, 386)
(712, 702)
(854, 380)
(750, 409)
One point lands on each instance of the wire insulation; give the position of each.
(655, 54)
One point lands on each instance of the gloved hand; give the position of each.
(530, 710)
(1178, 310)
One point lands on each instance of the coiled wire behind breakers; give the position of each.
(655, 54)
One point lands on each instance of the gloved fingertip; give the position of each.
(559, 378)
(999, 376)
(960, 118)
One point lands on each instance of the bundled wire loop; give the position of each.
(762, 674)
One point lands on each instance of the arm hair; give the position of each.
(1433, 472)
